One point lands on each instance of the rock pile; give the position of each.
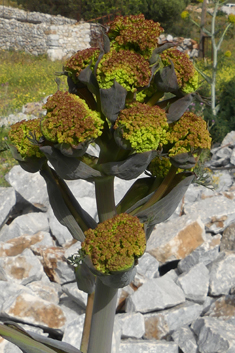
(183, 296)
(187, 45)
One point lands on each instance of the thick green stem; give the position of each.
(100, 340)
(104, 189)
(103, 315)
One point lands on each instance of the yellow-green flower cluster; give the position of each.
(115, 244)
(159, 166)
(189, 134)
(80, 61)
(129, 69)
(184, 14)
(143, 126)
(135, 33)
(19, 135)
(228, 53)
(231, 18)
(69, 120)
(187, 75)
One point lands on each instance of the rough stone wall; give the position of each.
(57, 36)
(39, 33)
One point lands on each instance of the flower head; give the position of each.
(80, 61)
(135, 33)
(231, 18)
(69, 120)
(19, 135)
(129, 69)
(115, 244)
(189, 134)
(228, 53)
(143, 127)
(159, 166)
(187, 75)
(184, 15)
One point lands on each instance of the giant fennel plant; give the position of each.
(118, 101)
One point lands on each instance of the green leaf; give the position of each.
(131, 167)
(138, 191)
(113, 100)
(166, 79)
(81, 90)
(23, 341)
(106, 41)
(85, 278)
(65, 207)
(117, 279)
(31, 342)
(183, 161)
(178, 108)
(67, 167)
(31, 164)
(120, 140)
(163, 209)
(69, 151)
(155, 54)
(207, 78)
(87, 77)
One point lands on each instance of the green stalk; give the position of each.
(161, 190)
(104, 190)
(100, 340)
(87, 323)
(103, 315)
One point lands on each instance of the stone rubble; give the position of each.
(183, 296)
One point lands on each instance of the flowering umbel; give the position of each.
(142, 127)
(21, 134)
(187, 76)
(69, 120)
(135, 33)
(115, 244)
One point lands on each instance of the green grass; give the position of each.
(23, 78)
(26, 78)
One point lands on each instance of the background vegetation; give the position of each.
(23, 78)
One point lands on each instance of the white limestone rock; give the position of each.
(46, 291)
(216, 212)
(30, 223)
(23, 268)
(205, 253)
(31, 186)
(222, 274)
(186, 340)
(177, 238)
(75, 294)
(7, 202)
(160, 324)
(147, 268)
(132, 325)
(60, 232)
(31, 309)
(195, 283)
(155, 294)
(214, 335)
(17, 245)
(143, 346)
